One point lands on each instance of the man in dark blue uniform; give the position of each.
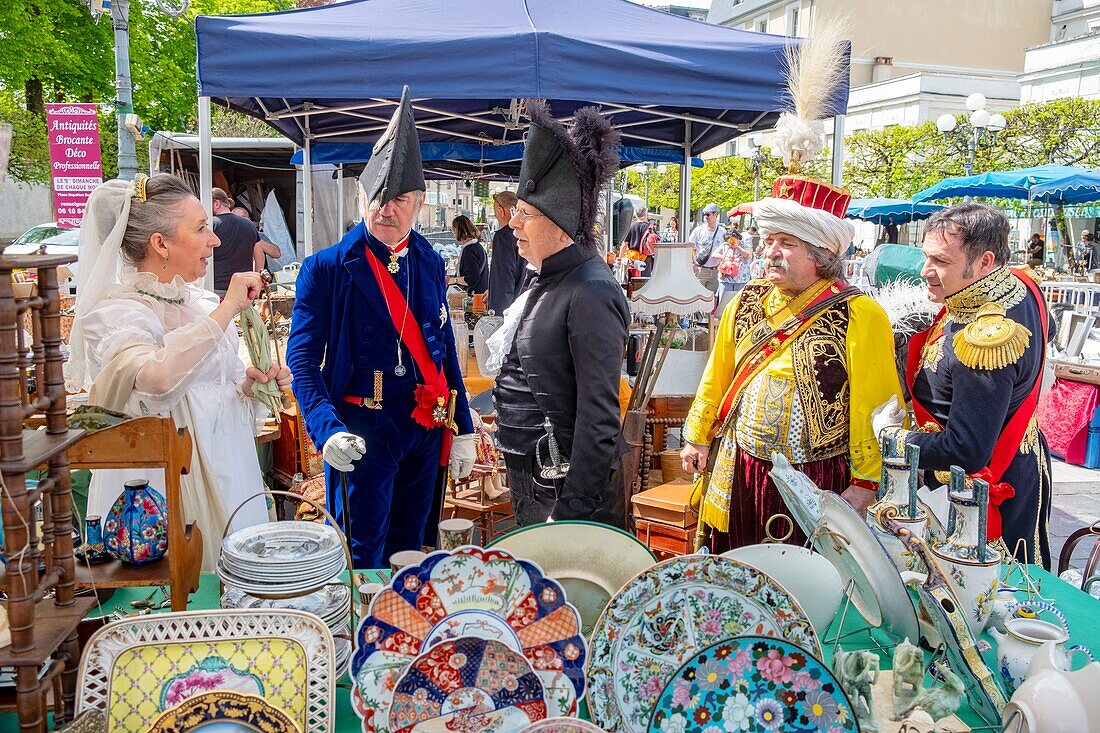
(975, 374)
(371, 338)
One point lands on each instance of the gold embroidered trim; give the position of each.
(700, 422)
(991, 340)
(999, 286)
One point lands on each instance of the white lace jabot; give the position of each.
(177, 291)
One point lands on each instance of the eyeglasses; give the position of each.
(524, 216)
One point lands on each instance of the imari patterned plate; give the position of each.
(469, 592)
(563, 725)
(665, 616)
(470, 685)
(754, 683)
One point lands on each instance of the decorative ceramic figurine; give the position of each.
(1052, 699)
(908, 676)
(898, 488)
(1022, 639)
(136, 530)
(972, 568)
(857, 672)
(939, 702)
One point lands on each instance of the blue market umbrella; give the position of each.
(890, 211)
(1013, 184)
(1080, 188)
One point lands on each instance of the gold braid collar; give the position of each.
(991, 340)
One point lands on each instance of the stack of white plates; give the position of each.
(332, 604)
(281, 559)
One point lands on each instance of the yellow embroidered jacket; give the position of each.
(814, 400)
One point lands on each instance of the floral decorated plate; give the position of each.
(470, 685)
(469, 592)
(754, 683)
(665, 616)
(224, 712)
(591, 561)
(332, 603)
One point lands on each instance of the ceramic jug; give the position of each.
(972, 568)
(136, 530)
(1004, 603)
(898, 489)
(1023, 637)
(1052, 700)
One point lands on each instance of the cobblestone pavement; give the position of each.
(1076, 505)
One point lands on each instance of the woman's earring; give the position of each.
(165, 265)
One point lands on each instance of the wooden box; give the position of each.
(666, 504)
(665, 540)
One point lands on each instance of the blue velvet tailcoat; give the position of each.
(341, 333)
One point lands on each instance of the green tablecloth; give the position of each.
(1081, 611)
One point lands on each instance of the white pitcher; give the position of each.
(1053, 700)
(1024, 636)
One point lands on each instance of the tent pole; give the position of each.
(307, 193)
(206, 175)
(339, 201)
(838, 150)
(686, 223)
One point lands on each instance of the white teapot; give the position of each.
(1024, 636)
(1053, 700)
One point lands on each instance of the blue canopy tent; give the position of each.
(1013, 184)
(333, 73)
(463, 161)
(1083, 187)
(890, 211)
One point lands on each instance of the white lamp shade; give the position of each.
(975, 101)
(997, 122)
(979, 119)
(673, 287)
(945, 123)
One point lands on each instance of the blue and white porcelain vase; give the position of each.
(136, 529)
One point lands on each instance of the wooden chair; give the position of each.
(468, 499)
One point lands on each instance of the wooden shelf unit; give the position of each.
(43, 627)
(147, 442)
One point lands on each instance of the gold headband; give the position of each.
(139, 187)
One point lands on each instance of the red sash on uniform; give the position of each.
(433, 396)
(1004, 450)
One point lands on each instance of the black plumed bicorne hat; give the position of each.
(563, 170)
(395, 166)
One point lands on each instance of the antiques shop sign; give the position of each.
(75, 165)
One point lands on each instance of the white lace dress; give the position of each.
(195, 375)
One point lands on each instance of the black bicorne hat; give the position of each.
(563, 170)
(395, 166)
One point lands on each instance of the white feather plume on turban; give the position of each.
(814, 226)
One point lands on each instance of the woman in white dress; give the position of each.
(147, 339)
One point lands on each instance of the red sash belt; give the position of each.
(1004, 450)
(433, 396)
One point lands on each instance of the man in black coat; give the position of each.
(557, 394)
(507, 270)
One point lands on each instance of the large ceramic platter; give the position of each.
(470, 685)
(669, 612)
(592, 561)
(275, 543)
(469, 592)
(270, 589)
(754, 683)
(807, 575)
(846, 541)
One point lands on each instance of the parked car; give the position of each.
(38, 233)
(64, 242)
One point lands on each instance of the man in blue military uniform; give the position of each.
(975, 374)
(380, 385)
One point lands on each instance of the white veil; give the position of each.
(100, 257)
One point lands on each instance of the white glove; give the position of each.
(342, 449)
(889, 414)
(463, 454)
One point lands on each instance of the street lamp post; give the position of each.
(983, 127)
(644, 169)
(754, 151)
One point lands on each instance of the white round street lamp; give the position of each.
(945, 123)
(979, 119)
(981, 123)
(975, 102)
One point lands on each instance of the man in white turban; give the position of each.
(800, 362)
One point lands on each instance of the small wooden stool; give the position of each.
(467, 499)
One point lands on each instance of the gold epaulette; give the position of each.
(992, 340)
(1031, 273)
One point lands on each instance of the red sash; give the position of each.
(433, 396)
(1004, 450)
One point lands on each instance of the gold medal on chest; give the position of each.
(395, 264)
